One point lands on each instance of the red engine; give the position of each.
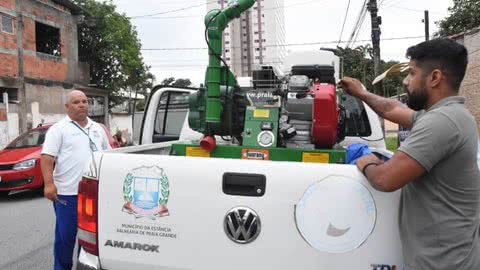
(325, 115)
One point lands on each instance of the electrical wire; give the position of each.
(373, 140)
(286, 45)
(415, 10)
(358, 23)
(344, 20)
(151, 16)
(171, 11)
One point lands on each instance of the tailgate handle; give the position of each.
(244, 184)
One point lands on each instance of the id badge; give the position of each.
(93, 147)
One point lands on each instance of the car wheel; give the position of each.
(4, 193)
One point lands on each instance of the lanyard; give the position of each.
(93, 147)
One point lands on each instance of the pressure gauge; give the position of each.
(265, 138)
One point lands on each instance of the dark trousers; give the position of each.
(65, 231)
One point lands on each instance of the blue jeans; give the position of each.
(65, 231)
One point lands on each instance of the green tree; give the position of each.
(464, 15)
(393, 84)
(168, 81)
(358, 63)
(108, 43)
(140, 105)
(176, 82)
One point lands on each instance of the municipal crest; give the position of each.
(145, 191)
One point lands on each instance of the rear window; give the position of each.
(171, 114)
(31, 138)
(357, 124)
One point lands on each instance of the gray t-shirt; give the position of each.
(439, 212)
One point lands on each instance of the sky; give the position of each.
(306, 21)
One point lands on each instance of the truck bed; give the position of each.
(312, 216)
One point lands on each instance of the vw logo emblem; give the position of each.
(242, 225)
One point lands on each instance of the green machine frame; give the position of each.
(214, 110)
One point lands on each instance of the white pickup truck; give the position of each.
(142, 208)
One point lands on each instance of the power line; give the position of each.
(171, 11)
(344, 20)
(171, 17)
(150, 16)
(169, 1)
(284, 45)
(358, 23)
(415, 10)
(197, 65)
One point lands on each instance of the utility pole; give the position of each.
(426, 21)
(24, 123)
(376, 22)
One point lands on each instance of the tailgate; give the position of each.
(165, 212)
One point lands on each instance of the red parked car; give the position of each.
(20, 161)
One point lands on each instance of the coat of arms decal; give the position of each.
(145, 191)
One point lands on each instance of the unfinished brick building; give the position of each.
(39, 59)
(471, 84)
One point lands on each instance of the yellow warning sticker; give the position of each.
(316, 157)
(197, 152)
(259, 113)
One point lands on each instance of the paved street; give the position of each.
(26, 232)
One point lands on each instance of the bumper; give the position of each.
(87, 261)
(22, 183)
(17, 180)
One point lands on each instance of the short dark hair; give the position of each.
(445, 54)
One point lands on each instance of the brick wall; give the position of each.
(8, 41)
(8, 4)
(8, 67)
(471, 84)
(29, 34)
(37, 65)
(38, 68)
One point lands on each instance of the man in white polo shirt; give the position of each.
(68, 146)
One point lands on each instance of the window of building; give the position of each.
(47, 39)
(12, 94)
(6, 24)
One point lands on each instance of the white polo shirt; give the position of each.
(70, 145)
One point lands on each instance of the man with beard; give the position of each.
(67, 148)
(436, 168)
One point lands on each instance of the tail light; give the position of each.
(87, 210)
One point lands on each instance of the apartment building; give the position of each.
(255, 38)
